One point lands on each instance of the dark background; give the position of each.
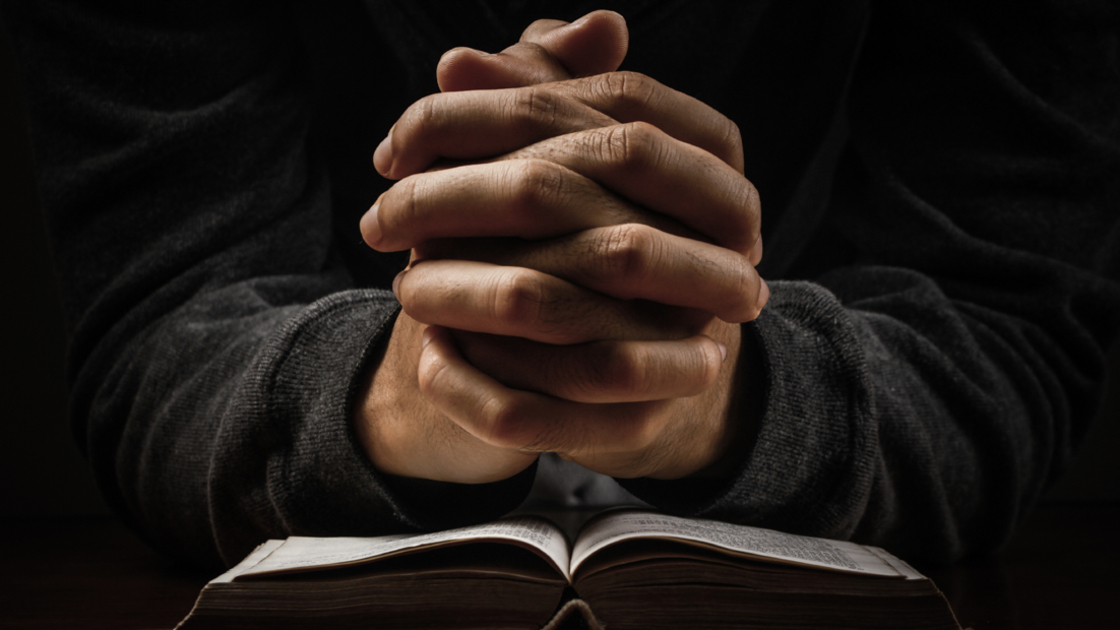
(42, 473)
(41, 470)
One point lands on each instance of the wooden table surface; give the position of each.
(1063, 571)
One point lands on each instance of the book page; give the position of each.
(253, 559)
(753, 542)
(250, 562)
(900, 565)
(300, 553)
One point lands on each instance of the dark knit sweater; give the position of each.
(941, 204)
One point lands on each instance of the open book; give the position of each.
(625, 569)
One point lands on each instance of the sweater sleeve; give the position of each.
(922, 394)
(217, 341)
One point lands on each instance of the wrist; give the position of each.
(404, 434)
(742, 407)
(390, 393)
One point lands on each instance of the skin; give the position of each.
(592, 241)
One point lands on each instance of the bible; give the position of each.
(625, 569)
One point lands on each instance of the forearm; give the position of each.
(217, 342)
(923, 393)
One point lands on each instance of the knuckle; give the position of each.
(500, 418)
(405, 210)
(421, 114)
(517, 297)
(631, 89)
(611, 145)
(624, 142)
(536, 108)
(626, 254)
(508, 424)
(633, 146)
(537, 184)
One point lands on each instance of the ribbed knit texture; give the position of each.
(941, 194)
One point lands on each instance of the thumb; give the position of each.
(549, 50)
(593, 44)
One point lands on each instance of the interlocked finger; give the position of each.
(520, 302)
(631, 261)
(527, 421)
(479, 124)
(635, 161)
(656, 171)
(598, 372)
(527, 199)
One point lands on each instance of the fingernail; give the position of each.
(427, 336)
(722, 350)
(369, 226)
(397, 284)
(755, 255)
(383, 154)
(763, 294)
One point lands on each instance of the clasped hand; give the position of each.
(583, 251)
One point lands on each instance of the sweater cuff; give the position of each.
(424, 504)
(807, 468)
(319, 481)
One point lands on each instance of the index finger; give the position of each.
(480, 124)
